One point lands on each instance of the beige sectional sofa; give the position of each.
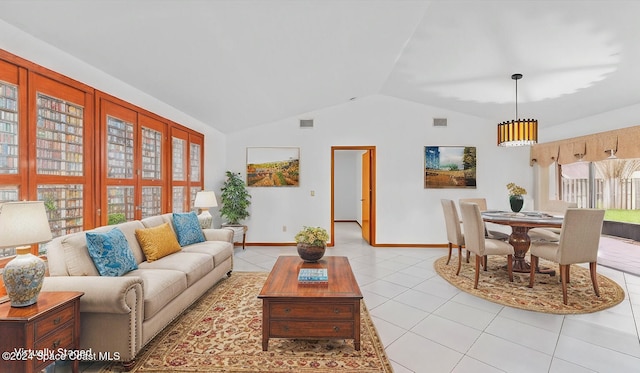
(120, 315)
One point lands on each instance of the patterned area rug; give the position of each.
(546, 295)
(222, 332)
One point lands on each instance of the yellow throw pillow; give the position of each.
(157, 242)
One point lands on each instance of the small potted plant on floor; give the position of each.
(311, 242)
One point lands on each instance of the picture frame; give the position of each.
(450, 167)
(273, 166)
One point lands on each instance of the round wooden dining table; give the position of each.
(520, 223)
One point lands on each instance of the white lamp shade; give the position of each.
(23, 223)
(205, 200)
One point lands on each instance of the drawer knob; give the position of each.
(287, 310)
(56, 321)
(56, 344)
(286, 328)
(336, 328)
(335, 310)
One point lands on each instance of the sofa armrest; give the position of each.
(120, 295)
(221, 234)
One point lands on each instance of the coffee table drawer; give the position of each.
(314, 310)
(311, 329)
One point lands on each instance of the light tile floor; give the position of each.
(428, 325)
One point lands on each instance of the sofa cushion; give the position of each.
(157, 242)
(110, 252)
(194, 265)
(160, 286)
(187, 228)
(219, 250)
(154, 221)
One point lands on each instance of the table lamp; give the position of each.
(204, 201)
(23, 224)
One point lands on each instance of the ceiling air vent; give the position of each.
(306, 123)
(439, 122)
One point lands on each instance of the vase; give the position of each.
(23, 277)
(516, 203)
(310, 253)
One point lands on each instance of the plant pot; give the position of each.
(310, 253)
(516, 203)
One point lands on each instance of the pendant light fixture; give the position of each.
(518, 132)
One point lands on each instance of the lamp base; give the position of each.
(23, 277)
(205, 219)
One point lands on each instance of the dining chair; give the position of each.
(476, 242)
(554, 207)
(482, 205)
(454, 232)
(579, 241)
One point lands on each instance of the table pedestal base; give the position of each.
(520, 241)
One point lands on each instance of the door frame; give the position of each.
(372, 201)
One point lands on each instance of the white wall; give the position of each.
(25, 46)
(406, 212)
(346, 176)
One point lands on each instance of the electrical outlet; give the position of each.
(313, 193)
(284, 228)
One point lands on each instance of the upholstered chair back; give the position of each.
(580, 236)
(452, 222)
(473, 228)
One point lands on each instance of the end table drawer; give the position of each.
(325, 311)
(313, 329)
(63, 338)
(53, 321)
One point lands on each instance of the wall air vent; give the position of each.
(439, 122)
(306, 123)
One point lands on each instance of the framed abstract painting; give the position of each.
(450, 167)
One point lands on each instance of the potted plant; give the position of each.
(516, 199)
(311, 243)
(234, 199)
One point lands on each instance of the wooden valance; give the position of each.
(625, 143)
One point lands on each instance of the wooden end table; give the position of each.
(311, 311)
(33, 336)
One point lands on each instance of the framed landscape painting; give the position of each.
(450, 167)
(273, 167)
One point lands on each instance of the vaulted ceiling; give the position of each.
(237, 64)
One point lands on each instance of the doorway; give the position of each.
(366, 191)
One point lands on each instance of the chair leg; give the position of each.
(478, 260)
(510, 267)
(532, 273)
(564, 271)
(594, 278)
(459, 260)
(468, 255)
(486, 262)
(568, 273)
(449, 257)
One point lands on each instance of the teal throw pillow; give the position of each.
(187, 228)
(111, 253)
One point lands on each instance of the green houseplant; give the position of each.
(235, 199)
(311, 243)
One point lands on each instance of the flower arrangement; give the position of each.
(315, 236)
(516, 190)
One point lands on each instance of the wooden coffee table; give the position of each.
(311, 311)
